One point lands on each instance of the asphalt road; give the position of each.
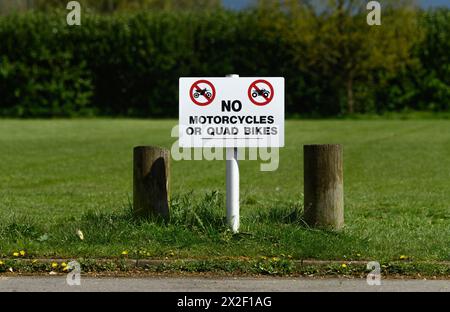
(188, 284)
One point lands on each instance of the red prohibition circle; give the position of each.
(197, 93)
(260, 93)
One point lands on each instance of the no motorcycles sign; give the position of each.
(231, 112)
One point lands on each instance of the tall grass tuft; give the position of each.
(204, 214)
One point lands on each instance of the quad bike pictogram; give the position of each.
(263, 92)
(205, 92)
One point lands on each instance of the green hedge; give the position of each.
(424, 86)
(129, 64)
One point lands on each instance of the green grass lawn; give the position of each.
(57, 176)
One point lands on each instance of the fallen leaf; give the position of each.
(80, 234)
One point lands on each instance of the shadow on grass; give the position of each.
(282, 213)
(16, 228)
(194, 221)
(201, 215)
(204, 214)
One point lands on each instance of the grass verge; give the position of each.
(61, 176)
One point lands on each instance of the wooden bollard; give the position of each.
(323, 182)
(151, 171)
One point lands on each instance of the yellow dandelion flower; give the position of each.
(16, 254)
(66, 268)
(63, 264)
(125, 252)
(54, 265)
(403, 257)
(22, 253)
(344, 265)
(2, 263)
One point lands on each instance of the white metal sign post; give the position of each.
(233, 184)
(230, 113)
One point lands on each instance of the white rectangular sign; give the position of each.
(231, 112)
